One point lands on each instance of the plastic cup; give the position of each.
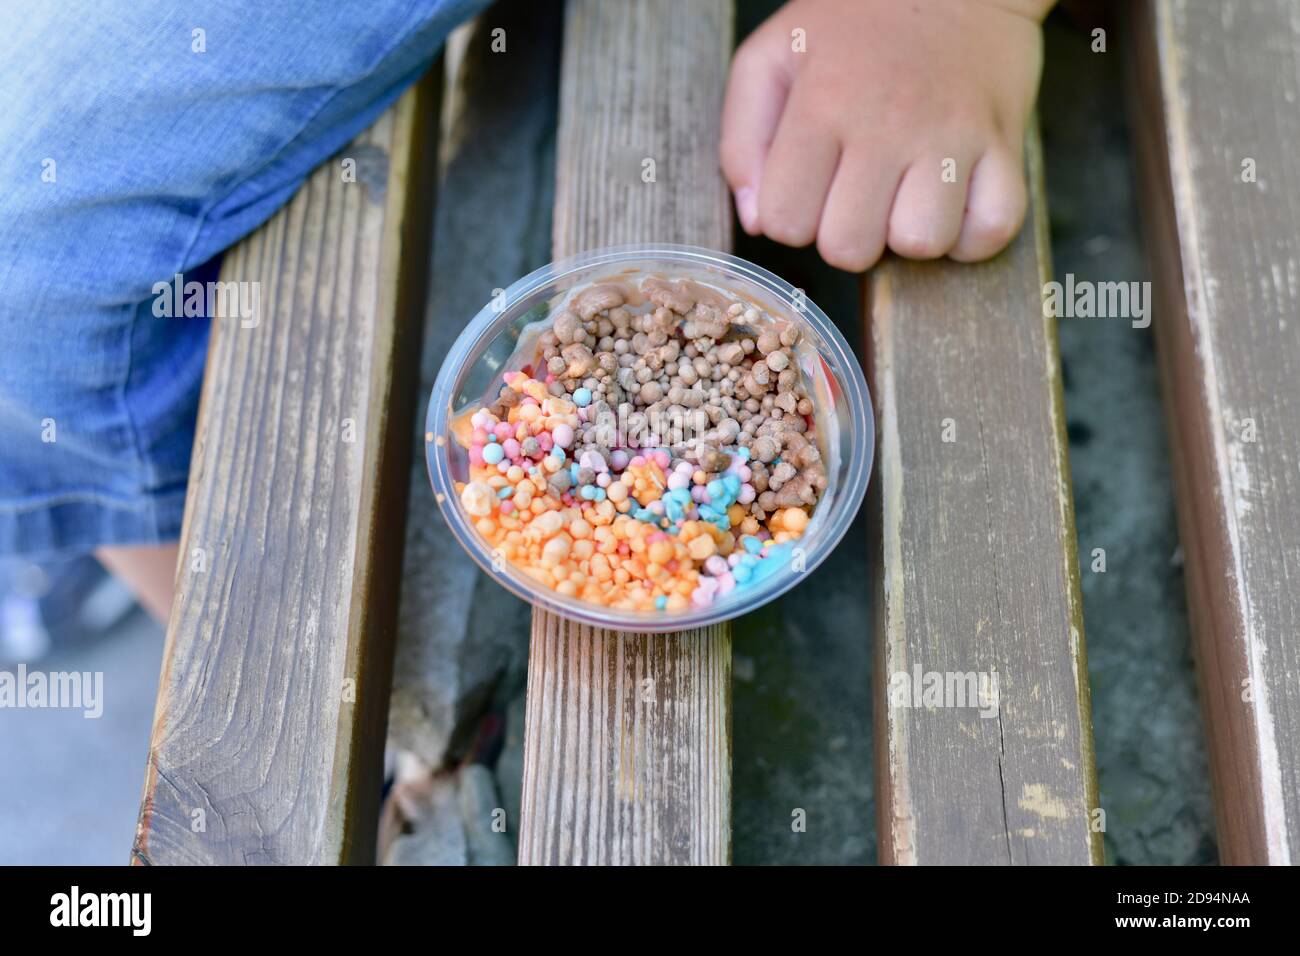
(472, 373)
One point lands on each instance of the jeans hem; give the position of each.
(63, 528)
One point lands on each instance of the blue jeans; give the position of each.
(138, 139)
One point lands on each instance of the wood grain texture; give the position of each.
(1215, 85)
(975, 565)
(627, 756)
(268, 737)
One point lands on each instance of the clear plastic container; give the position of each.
(472, 373)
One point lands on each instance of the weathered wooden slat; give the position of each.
(627, 755)
(1218, 135)
(269, 732)
(975, 566)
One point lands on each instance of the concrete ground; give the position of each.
(1146, 718)
(69, 787)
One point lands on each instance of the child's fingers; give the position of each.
(797, 175)
(757, 89)
(995, 208)
(855, 222)
(927, 214)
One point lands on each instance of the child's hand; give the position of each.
(848, 142)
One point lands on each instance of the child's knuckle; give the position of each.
(915, 243)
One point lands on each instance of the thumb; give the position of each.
(756, 93)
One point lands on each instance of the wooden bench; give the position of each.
(268, 738)
(1218, 140)
(976, 570)
(268, 741)
(627, 755)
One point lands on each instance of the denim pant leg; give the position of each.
(141, 138)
